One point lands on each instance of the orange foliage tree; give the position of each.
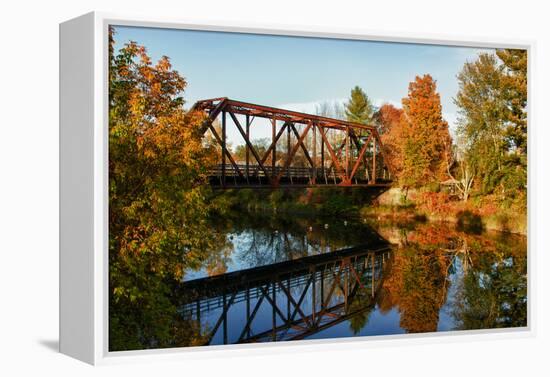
(158, 200)
(424, 140)
(388, 122)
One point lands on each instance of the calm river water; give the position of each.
(279, 277)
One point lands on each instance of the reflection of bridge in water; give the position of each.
(334, 152)
(290, 300)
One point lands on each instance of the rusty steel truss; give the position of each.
(333, 152)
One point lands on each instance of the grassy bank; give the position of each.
(325, 201)
(477, 214)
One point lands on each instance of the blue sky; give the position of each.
(297, 73)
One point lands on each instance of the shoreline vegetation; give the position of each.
(476, 215)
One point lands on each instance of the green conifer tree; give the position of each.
(359, 108)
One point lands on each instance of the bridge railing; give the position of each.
(293, 172)
(255, 170)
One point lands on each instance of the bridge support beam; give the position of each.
(274, 150)
(247, 150)
(373, 161)
(348, 153)
(224, 147)
(314, 175)
(323, 156)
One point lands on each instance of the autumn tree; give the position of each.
(359, 108)
(210, 142)
(425, 140)
(388, 122)
(387, 118)
(492, 120)
(158, 204)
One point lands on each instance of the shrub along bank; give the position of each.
(478, 213)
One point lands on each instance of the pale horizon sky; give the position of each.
(298, 73)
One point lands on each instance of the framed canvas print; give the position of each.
(230, 188)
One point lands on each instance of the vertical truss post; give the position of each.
(348, 152)
(323, 154)
(335, 157)
(373, 161)
(288, 150)
(299, 143)
(361, 157)
(314, 159)
(346, 282)
(246, 145)
(288, 299)
(223, 147)
(274, 150)
(346, 179)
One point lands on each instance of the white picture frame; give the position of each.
(84, 189)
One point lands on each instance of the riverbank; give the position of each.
(475, 215)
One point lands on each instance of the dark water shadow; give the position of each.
(52, 345)
(469, 222)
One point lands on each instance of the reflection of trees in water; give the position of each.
(218, 258)
(493, 292)
(263, 247)
(145, 314)
(490, 279)
(266, 238)
(417, 287)
(418, 278)
(486, 272)
(364, 301)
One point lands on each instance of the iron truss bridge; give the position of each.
(305, 150)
